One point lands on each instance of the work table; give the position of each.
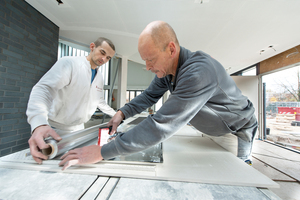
(194, 167)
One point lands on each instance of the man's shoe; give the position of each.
(249, 162)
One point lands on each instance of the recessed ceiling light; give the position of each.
(201, 1)
(272, 47)
(59, 2)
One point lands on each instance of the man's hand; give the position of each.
(115, 121)
(85, 155)
(36, 142)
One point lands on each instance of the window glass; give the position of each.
(282, 108)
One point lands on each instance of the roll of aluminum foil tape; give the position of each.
(70, 141)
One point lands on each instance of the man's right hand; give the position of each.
(37, 142)
(115, 121)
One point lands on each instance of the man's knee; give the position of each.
(247, 133)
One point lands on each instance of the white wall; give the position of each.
(249, 87)
(138, 78)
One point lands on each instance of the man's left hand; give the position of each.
(80, 156)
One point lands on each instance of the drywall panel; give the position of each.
(95, 189)
(199, 159)
(28, 184)
(186, 158)
(108, 189)
(155, 189)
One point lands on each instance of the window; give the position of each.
(65, 50)
(130, 94)
(282, 107)
(249, 71)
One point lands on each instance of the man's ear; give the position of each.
(172, 48)
(92, 46)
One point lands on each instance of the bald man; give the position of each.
(202, 94)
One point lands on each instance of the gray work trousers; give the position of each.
(216, 127)
(245, 139)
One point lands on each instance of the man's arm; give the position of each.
(36, 142)
(143, 101)
(45, 91)
(115, 121)
(85, 155)
(192, 91)
(104, 107)
(40, 101)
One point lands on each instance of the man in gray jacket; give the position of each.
(202, 94)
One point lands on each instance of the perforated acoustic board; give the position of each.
(188, 158)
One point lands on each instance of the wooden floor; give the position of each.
(281, 165)
(278, 163)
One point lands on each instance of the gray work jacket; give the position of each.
(202, 94)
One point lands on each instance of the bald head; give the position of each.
(159, 48)
(160, 33)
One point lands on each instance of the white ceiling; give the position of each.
(232, 31)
